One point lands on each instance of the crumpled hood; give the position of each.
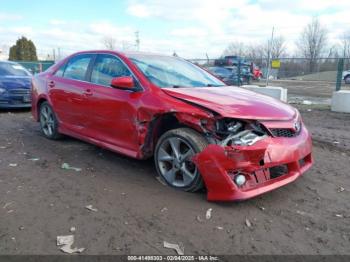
(14, 82)
(235, 102)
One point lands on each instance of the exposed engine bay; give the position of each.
(236, 132)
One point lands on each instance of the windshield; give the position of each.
(167, 71)
(12, 69)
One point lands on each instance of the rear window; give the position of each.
(13, 69)
(77, 67)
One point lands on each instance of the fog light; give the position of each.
(240, 180)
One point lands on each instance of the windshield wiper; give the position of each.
(208, 85)
(211, 85)
(176, 86)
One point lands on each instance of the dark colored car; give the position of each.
(238, 66)
(346, 76)
(236, 143)
(15, 84)
(246, 74)
(228, 75)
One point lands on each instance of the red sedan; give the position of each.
(235, 143)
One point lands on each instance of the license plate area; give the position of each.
(26, 98)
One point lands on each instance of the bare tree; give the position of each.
(235, 48)
(334, 51)
(255, 51)
(312, 42)
(109, 43)
(256, 54)
(278, 47)
(346, 48)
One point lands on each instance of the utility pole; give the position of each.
(269, 57)
(54, 54)
(137, 40)
(58, 53)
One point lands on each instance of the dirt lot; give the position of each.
(322, 89)
(316, 91)
(39, 200)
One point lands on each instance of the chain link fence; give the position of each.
(321, 69)
(305, 77)
(36, 66)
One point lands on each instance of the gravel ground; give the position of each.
(135, 213)
(320, 91)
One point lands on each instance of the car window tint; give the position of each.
(60, 71)
(12, 69)
(107, 67)
(77, 67)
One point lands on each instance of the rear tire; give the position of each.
(48, 122)
(173, 155)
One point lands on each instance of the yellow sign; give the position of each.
(275, 63)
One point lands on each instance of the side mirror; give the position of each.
(123, 82)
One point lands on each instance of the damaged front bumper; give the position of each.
(268, 164)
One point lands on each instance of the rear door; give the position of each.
(68, 90)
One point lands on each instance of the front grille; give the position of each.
(278, 171)
(283, 132)
(19, 91)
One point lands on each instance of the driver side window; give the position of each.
(107, 67)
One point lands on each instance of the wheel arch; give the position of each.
(156, 128)
(165, 122)
(38, 104)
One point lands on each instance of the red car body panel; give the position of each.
(126, 122)
(235, 102)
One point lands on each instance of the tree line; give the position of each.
(23, 50)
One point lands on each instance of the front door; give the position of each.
(113, 112)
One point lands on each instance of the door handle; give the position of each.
(87, 92)
(51, 84)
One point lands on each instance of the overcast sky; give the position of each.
(189, 27)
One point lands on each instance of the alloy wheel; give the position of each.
(174, 162)
(47, 120)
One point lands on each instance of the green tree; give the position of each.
(23, 50)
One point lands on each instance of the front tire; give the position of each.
(48, 122)
(173, 155)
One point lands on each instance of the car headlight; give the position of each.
(2, 90)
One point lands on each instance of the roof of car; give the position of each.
(125, 53)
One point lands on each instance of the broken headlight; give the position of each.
(238, 132)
